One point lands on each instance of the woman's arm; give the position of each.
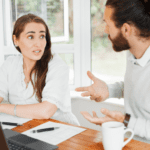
(43, 110)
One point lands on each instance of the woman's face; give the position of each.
(32, 41)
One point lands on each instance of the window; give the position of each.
(63, 18)
(77, 32)
(54, 12)
(107, 64)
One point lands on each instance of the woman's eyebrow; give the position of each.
(42, 31)
(34, 32)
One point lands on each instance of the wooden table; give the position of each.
(82, 141)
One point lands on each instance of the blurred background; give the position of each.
(78, 37)
(61, 18)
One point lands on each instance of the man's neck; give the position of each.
(138, 48)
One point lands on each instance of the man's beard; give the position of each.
(119, 43)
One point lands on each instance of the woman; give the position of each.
(36, 82)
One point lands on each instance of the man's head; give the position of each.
(125, 18)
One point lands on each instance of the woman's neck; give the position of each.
(28, 64)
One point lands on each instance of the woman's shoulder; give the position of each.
(13, 60)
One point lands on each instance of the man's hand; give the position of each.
(98, 91)
(1, 99)
(109, 116)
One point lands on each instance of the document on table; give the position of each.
(13, 119)
(55, 136)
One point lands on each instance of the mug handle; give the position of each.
(130, 138)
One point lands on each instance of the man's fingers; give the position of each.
(95, 120)
(92, 97)
(91, 76)
(86, 94)
(96, 99)
(86, 115)
(81, 89)
(109, 113)
(99, 99)
(94, 114)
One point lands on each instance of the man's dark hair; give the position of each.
(133, 12)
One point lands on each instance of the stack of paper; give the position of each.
(12, 119)
(56, 136)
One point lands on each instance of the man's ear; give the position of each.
(15, 40)
(126, 30)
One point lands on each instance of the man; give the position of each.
(128, 28)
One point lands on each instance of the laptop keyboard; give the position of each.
(15, 146)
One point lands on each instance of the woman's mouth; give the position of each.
(37, 52)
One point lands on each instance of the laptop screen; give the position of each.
(2, 140)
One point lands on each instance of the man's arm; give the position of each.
(140, 126)
(116, 90)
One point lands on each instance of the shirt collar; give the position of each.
(143, 60)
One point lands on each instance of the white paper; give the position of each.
(13, 119)
(55, 136)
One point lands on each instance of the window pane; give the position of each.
(69, 59)
(107, 64)
(58, 15)
(70, 13)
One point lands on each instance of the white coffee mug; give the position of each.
(113, 135)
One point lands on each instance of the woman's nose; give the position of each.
(37, 43)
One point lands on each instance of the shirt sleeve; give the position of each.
(4, 69)
(140, 126)
(116, 90)
(56, 90)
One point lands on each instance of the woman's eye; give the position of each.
(42, 36)
(30, 37)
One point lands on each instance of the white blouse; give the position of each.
(13, 88)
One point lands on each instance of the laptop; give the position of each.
(12, 140)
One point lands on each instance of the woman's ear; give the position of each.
(15, 40)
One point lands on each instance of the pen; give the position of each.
(11, 124)
(43, 130)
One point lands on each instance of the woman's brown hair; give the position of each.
(41, 67)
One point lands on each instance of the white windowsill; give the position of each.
(116, 101)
